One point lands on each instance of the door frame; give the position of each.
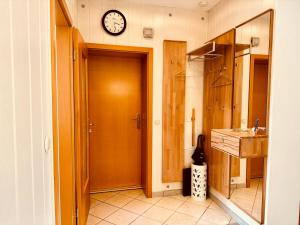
(60, 16)
(148, 53)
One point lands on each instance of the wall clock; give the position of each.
(114, 22)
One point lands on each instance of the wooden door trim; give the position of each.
(57, 19)
(66, 12)
(148, 52)
(79, 50)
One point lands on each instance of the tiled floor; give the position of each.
(132, 207)
(249, 199)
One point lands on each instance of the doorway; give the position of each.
(258, 97)
(119, 109)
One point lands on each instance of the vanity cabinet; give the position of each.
(242, 144)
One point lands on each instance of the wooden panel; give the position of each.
(237, 108)
(253, 147)
(193, 127)
(81, 128)
(237, 93)
(220, 172)
(218, 79)
(65, 125)
(225, 143)
(114, 103)
(173, 110)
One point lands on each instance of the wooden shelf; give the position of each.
(208, 48)
(241, 47)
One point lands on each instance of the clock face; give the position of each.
(114, 22)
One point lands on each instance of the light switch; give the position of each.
(46, 144)
(157, 122)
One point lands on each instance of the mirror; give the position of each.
(251, 94)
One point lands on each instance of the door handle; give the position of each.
(91, 126)
(138, 120)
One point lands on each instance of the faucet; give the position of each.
(256, 125)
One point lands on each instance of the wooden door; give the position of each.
(258, 95)
(81, 127)
(173, 110)
(115, 120)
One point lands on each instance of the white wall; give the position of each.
(283, 180)
(229, 13)
(184, 25)
(72, 7)
(25, 113)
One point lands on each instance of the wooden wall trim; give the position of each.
(119, 48)
(54, 110)
(66, 11)
(255, 17)
(55, 19)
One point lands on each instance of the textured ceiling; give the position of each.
(185, 4)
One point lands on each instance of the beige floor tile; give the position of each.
(202, 222)
(94, 202)
(103, 222)
(132, 193)
(256, 214)
(148, 200)
(245, 204)
(103, 210)
(169, 203)
(121, 217)
(145, 221)
(103, 196)
(181, 197)
(216, 216)
(137, 206)
(192, 209)
(181, 219)
(92, 220)
(204, 203)
(119, 200)
(158, 213)
(214, 205)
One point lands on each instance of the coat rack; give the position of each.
(209, 51)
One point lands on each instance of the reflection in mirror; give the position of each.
(252, 53)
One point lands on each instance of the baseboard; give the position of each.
(167, 193)
(115, 189)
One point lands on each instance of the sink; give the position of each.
(241, 130)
